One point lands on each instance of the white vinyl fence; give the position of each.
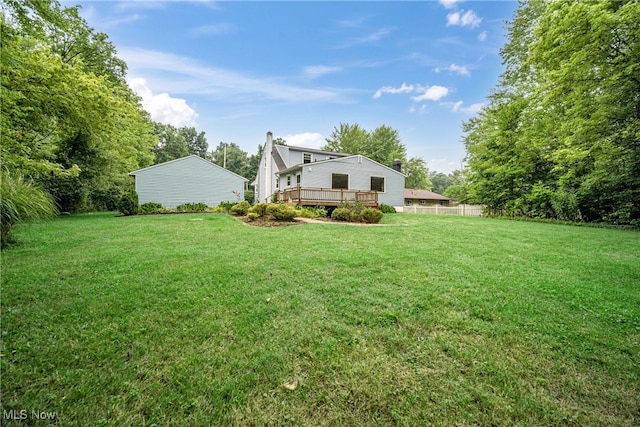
(461, 210)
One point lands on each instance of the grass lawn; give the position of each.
(430, 320)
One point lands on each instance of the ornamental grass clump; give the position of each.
(21, 200)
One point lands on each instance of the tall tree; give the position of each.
(347, 138)
(66, 123)
(196, 142)
(171, 144)
(559, 137)
(232, 157)
(384, 146)
(417, 174)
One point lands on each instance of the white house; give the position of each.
(190, 179)
(286, 167)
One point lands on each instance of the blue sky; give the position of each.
(236, 70)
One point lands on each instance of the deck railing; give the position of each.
(326, 196)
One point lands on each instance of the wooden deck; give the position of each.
(303, 196)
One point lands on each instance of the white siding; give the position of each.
(360, 170)
(190, 179)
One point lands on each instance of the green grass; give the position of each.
(200, 319)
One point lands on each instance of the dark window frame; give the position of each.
(337, 181)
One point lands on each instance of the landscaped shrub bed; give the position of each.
(356, 212)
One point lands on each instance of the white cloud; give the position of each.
(90, 14)
(460, 69)
(373, 37)
(162, 107)
(418, 110)
(178, 74)
(449, 4)
(469, 18)
(432, 93)
(315, 71)
(482, 36)
(458, 107)
(389, 89)
(351, 23)
(139, 4)
(369, 38)
(306, 139)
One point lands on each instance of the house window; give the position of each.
(409, 202)
(444, 202)
(306, 158)
(288, 180)
(339, 180)
(298, 180)
(377, 183)
(423, 202)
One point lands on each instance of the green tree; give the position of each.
(384, 146)
(196, 142)
(559, 137)
(236, 159)
(417, 174)
(171, 144)
(440, 181)
(347, 139)
(67, 123)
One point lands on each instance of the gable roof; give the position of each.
(315, 150)
(339, 159)
(423, 194)
(193, 156)
(275, 153)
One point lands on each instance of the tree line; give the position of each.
(560, 136)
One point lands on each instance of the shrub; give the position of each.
(385, 209)
(355, 210)
(226, 206)
(371, 216)
(341, 214)
(192, 207)
(252, 216)
(281, 211)
(128, 203)
(308, 212)
(259, 208)
(150, 208)
(21, 200)
(241, 208)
